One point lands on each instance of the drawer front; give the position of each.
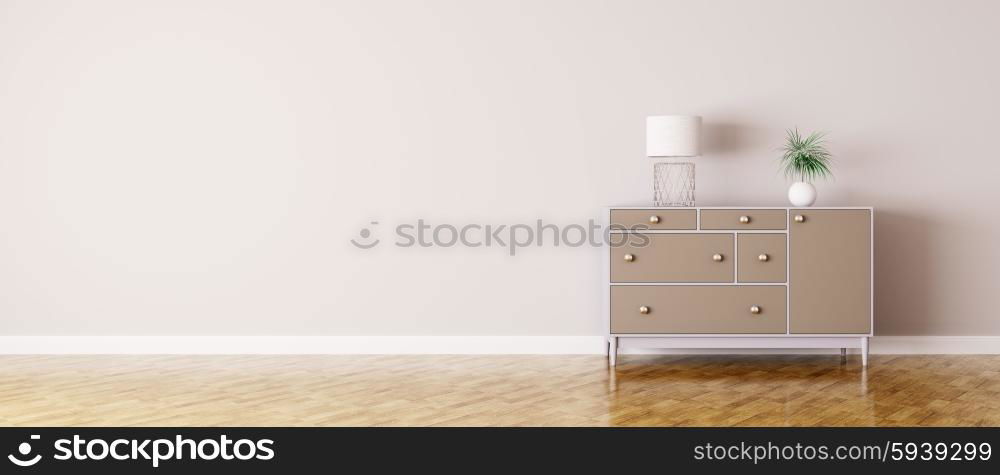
(761, 257)
(697, 309)
(639, 257)
(733, 219)
(655, 219)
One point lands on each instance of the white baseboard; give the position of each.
(936, 345)
(469, 345)
(276, 345)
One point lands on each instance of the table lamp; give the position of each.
(673, 136)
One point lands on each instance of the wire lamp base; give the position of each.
(673, 184)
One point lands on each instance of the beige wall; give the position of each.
(198, 167)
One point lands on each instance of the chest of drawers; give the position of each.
(739, 278)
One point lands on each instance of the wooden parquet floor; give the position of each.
(498, 391)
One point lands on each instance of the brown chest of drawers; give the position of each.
(739, 278)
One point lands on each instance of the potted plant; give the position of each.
(805, 159)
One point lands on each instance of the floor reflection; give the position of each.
(804, 390)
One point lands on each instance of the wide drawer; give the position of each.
(695, 258)
(655, 219)
(703, 309)
(744, 219)
(761, 257)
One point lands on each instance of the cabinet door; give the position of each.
(761, 257)
(830, 271)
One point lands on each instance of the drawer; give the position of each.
(637, 257)
(654, 218)
(697, 309)
(761, 257)
(733, 219)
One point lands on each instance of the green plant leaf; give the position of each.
(806, 159)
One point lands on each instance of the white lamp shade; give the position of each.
(673, 136)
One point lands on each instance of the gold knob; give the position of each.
(654, 219)
(717, 257)
(643, 309)
(629, 258)
(799, 218)
(763, 258)
(754, 309)
(744, 219)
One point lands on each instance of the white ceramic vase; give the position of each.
(802, 194)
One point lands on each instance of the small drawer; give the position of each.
(744, 219)
(698, 309)
(638, 257)
(761, 257)
(655, 219)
